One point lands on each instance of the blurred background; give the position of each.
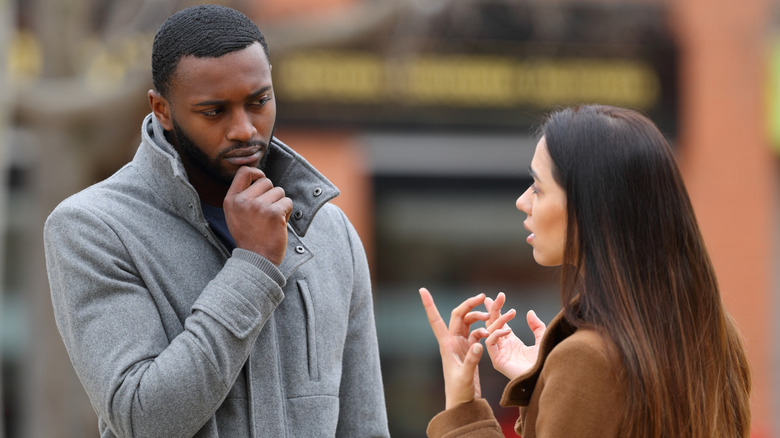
(423, 113)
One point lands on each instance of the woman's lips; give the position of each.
(530, 236)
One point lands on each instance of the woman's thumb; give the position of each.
(473, 357)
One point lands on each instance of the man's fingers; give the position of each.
(270, 195)
(244, 178)
(286, 205)
(251, 187)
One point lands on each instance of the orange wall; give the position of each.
(730, 170)
(269, 10)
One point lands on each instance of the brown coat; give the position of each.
(576, 388)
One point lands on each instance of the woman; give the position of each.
(643, 346)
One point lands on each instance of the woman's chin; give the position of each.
(545, 260)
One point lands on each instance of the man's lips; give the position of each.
(244, 156)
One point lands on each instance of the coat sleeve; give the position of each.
(579, 392)
(140, 382)
(474, 419)
(362, 409)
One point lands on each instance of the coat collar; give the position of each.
(161, 164)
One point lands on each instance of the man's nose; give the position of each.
(241, 128)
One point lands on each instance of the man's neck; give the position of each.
(211, 192)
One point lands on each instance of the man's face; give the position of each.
(222, 112)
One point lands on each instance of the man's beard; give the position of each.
(192, 154)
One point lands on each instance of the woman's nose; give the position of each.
(523, 203)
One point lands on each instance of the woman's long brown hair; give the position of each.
(637, 271)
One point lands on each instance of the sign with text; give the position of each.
(473, 82)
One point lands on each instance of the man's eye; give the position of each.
(211, 112)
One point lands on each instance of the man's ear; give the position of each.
(161, 109)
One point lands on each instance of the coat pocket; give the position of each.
(311, 329)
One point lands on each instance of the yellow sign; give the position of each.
(465, 81)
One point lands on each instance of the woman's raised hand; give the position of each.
(509, 355)
(460, 350)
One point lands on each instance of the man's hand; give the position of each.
(257, 213)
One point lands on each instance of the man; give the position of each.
(208, 288)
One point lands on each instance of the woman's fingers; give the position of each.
(494, 337)
(536, 325)
(488, 303)
(434, 318)
(494, 307)
(498, 303)
(458, 322)
(473, 317)
(478, 334)
(472, 358)
(502, 320)
(462, 385)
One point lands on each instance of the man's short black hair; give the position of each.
(206, 31)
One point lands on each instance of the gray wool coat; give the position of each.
(173, 336)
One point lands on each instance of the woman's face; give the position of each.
(545, 204)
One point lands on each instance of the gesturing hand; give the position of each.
(460, 351)
(509, 355)
(257, 213)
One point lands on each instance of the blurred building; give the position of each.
(423, 113)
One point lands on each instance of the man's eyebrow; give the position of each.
(210, 103)
(533, 174)
(218, 102)
(263, 90)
